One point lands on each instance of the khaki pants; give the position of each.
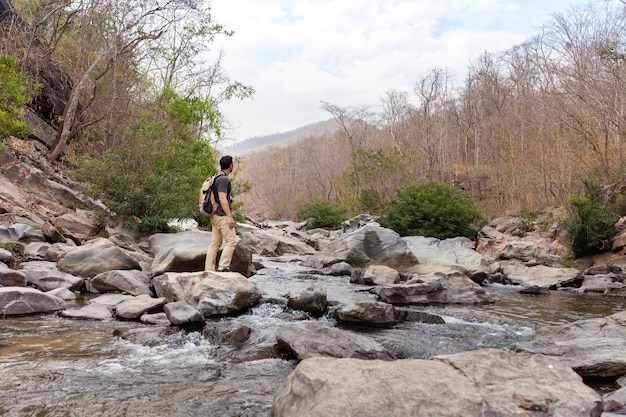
(220, 231)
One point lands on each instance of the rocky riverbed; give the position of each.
(353, 321)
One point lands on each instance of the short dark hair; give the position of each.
(225, 162)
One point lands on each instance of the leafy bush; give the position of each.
(158, 179)
(591, 223)
(432, 209)
(322, 214)
(15, 93)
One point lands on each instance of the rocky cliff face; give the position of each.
(34, 193)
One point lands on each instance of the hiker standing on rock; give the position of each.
(222, 222)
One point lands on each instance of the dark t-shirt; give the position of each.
(221, 184)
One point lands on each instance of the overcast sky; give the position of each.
(297, 53)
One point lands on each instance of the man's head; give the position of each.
(226, 162)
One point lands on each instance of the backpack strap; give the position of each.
(214, 190)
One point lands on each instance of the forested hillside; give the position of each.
(125, 96)
(520, 130)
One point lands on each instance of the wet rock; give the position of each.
(312, 300)
(371, 313)
(375, 275)
(403, 314)
(438, 288)
(307, 340)
(593, 347)
(96, 257)
(18, 301)
(211, 293)
(489, 382)
(131, 282)
(179, 313)
(240, 336)
(93, 311)
(134, 307)
(534, 290)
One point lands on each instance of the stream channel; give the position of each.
(53, 366)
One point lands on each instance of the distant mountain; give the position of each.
(278, 139)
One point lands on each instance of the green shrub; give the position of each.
(591, 223)
(151, 225)
(159, 179)
(432, 209)
(14, 247)
(15, 92)
(322, 214)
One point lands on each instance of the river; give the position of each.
(51, 366)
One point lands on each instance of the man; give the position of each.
(222, 222)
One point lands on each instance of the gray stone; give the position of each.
(312, 300)
(179, 313)
(131, 282)
(369, 244)
(135, 307)
(366, 312)
(481, 383)
(11, 278)
(211, 293)
(439, 288)
(17, 301)
(93, 311)
(45, 276)
(375, 275)
(307, 340)
(593, 347)
(96, 257)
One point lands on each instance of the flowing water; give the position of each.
(50, 366)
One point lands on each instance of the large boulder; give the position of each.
(593, 347)
(488, 382)
(439, 288)
(46, 276)
(455, 254)
(131, 282)
(308, 340)
(211, 293)
(541, 276)
(98, 256)
(18, 301)
(370, 244)
(501, 242)
(22, 233)
(135, 307)
(274, 242)
(186, 252)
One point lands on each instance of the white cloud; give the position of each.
(297, 53)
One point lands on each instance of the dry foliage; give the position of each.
(521, 131)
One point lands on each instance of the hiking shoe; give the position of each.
(223, 270)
